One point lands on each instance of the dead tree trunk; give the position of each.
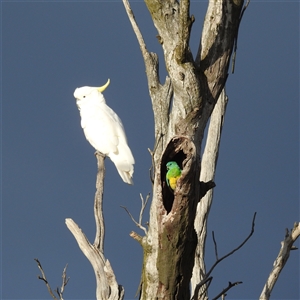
(182, 106)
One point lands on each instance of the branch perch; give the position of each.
(280, 261)
(216, 246)
(107, 287)
(98, 209)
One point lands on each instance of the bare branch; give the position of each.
(215, 243)
(199, 285)
(230, 285)
(207, 277)
(150, 59)
(107, 287)
(98, 207)
(134, 221)
(65, 280)
(43, 278)
(234, 250)
(95, 257)
(139, 223)
(279, 263)
(161, 95)
(135, 27)
(144, 204)
(208, 167)
(136, 237)
(219, 32)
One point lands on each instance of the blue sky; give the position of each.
(48, 168)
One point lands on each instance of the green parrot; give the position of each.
(174, 172)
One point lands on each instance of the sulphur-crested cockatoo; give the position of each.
(104, 129)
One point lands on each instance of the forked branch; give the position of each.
(235, 249)
(65, 281)
(139, 223)
(218, 260)
(160, 95)
(107, 287)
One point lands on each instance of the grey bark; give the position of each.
(182, 106)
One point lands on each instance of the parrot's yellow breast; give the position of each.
(173, 181)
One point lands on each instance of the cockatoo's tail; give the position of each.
(104, 129)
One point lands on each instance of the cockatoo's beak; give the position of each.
(102, 88)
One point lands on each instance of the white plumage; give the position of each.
(104, 129)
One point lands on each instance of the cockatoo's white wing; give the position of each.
(99, 128)
(104, 130)
(122, 158)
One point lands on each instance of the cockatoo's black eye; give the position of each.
(83, 96)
